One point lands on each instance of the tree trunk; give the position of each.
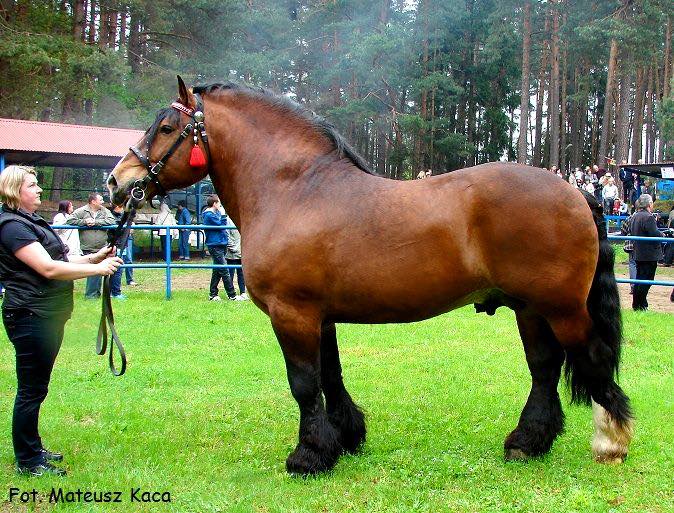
(540, 97)
(608, 104)
(103, 27)
(667, 68)
(472, 108)
(524, 100)
(134, 51)
(553, 104)
(650, 118)
(594, 134)
(638, 120)
(78, 20)
(91, 36)
(564, 121)
(113, 18)
(623, 116)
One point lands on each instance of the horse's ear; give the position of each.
(182, 91)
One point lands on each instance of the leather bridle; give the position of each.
(197, 127)
(120, 235)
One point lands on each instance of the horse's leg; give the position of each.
(298, 334)
(343, 413)
(591, 363)
(542, 418)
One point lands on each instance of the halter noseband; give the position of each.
(199, 130)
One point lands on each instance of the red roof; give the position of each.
(36, 142)
(22, 135)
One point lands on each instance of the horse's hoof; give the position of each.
(611, 458)
(306, 460)
(515, 454)
(617, 460)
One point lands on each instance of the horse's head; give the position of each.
(160, 161)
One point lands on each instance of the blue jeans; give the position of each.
(632, 264)
(239, 274)
(218, 255)
(93, 286)
(184, 244)
(116, 279)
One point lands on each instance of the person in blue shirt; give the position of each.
(184, 217)
(216, 240)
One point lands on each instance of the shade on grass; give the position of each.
(205, 413)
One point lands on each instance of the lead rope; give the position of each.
(119, 237)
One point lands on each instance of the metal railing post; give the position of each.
(167, 257)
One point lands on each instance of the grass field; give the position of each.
(204, 413)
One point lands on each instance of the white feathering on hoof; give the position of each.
(611, 439)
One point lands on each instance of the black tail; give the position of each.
(590, 371)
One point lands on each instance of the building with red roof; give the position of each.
(37, 143)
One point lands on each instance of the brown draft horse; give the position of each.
(326, 241)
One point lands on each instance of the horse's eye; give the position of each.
(166, 129)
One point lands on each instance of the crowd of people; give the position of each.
(602, 185)
(637, 199)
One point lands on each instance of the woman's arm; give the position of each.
(36, 257)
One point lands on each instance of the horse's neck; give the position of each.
(262, 155)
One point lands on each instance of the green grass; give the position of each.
(204, 412)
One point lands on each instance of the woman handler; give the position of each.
(37, 275)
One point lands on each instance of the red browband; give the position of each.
(182, 108)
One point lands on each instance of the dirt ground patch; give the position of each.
(658, 296)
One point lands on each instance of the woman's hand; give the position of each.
(102, 254)
(109, 266)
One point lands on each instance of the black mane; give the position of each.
(343, 149)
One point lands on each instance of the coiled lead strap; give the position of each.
(119, 236)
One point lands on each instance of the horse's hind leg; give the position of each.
(343, 413)
(298, 333)
(542, 418)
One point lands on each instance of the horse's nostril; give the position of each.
(112, 182)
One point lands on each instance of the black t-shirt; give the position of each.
(25, 288)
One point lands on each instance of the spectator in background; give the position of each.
(572, 180)
(587, 185)
(116, 279)
(599, 171)
(233, 257)
(70, 237)
(635, 189)
(164, 218)
(609, 194)
(91, 241)
(184, 218)
(628, 247)
(646, 254)
(216, 240)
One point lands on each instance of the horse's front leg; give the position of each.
(299, 333)
(343, 413)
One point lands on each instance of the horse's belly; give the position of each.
(373, 309)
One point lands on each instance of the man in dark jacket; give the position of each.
(646, 254)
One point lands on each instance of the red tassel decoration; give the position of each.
(197, 158)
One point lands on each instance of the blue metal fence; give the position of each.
(169, 266)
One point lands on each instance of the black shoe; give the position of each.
(51, 456)
(44, 468)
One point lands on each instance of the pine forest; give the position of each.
(412, 85)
